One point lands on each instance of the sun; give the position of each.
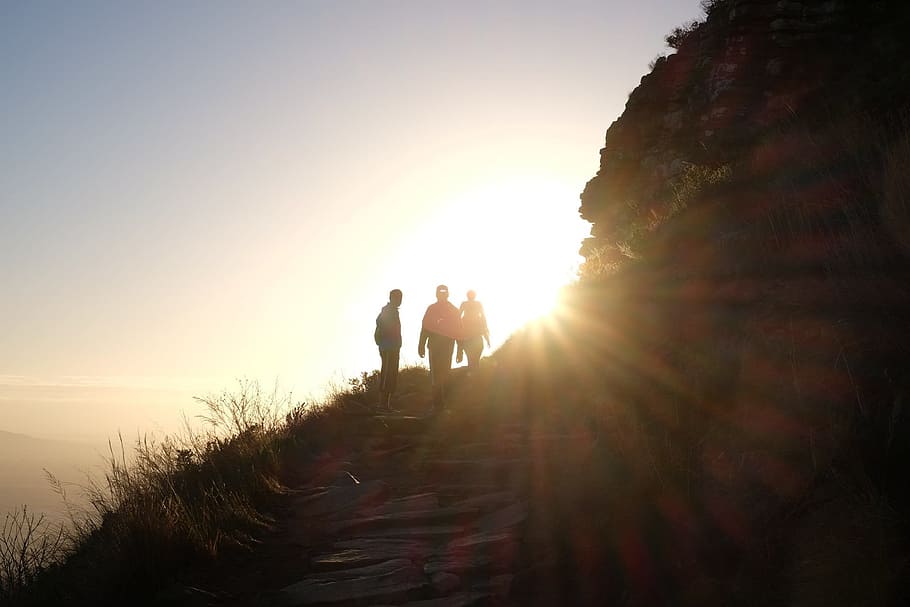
(514, 241)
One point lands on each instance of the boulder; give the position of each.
(506, 517)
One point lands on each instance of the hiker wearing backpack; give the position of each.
(440, 328)
(473, 330)
(388, 337)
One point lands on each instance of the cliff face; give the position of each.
(750, 71)
(747, 287)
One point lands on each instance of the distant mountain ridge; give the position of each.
(18, 436)
(4, 435)
(23, 461)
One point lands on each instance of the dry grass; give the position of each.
(163, 505)
(29, 545)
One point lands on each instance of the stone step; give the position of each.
(459, 563)
(410, 503)
(349, 554)
(510, 516)
(489, 552)
(401, 544)
(385, 451)
(486, 502)
(428, 532)
(395, 586)
(350, 573)
(480, 541)
(415, 518)
(336, 501)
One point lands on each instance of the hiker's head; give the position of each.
(471, 295)
(442, 293)
(395, 297)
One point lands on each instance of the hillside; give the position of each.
(716, 415)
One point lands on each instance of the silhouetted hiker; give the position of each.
(441, 326)
(388, 338)
(473, 330)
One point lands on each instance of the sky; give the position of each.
(197, 192)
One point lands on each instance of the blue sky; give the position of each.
(197, 191)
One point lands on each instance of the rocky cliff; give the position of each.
(740, 79)
(748, 270)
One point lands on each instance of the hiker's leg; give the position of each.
(439, 367)
(473, 349)
(383, 376)
(391, 383)
(446, 348)
(391, 371)
(434, 376)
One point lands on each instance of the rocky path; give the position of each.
(421, 510)
(411, 520)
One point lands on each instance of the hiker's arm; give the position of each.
(422, 343)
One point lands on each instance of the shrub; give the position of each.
(29, 545)
(693, 181)
(365, 384)
(656, 61)
(678, 37)
(170, 503)
(710, 6)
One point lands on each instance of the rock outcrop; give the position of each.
(752, 67)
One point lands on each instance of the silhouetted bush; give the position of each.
(679, 35)
(710, 6)
(29, 545)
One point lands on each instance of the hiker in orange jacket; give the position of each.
(440, 328)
